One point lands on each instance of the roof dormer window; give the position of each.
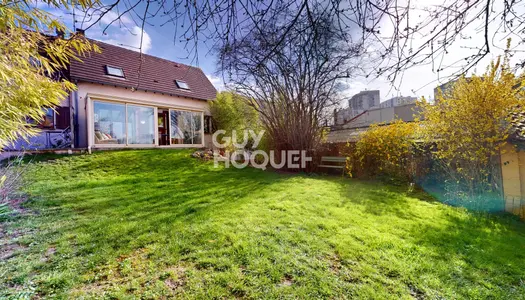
(114, 71)
(182, 85)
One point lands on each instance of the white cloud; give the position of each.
(112, 16)
(130, 38)
(217, 82)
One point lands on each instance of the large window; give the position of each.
(141, 124)
(110, 120)
(131, 124)
(186, 127)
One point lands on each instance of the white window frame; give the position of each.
(116, 68)
(155, 129)
(91, 99)
(187, 88)
(201, 130)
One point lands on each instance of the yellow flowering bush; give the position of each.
(468, 125)
(383, 150)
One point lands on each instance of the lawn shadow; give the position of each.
(473, 248)
(378, 198)
(113, 204)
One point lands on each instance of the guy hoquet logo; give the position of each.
(240, 158)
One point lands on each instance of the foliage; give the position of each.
(109, 225)
(5, 211)
(232, 111)
(383, 150)
(469, 124)
(30, 65)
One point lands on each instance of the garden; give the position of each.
(111, 225)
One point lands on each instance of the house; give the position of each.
(128, 100)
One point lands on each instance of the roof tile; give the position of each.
(154, 74)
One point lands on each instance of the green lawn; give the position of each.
(156, 223)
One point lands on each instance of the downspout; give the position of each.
(75, 117)
(71, 119)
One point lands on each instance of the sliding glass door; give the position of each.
(131, 124)
(109, 122)
(141, 124)
(185, 127)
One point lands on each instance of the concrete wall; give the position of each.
(110, 93)
(383, 115)
(406, 112)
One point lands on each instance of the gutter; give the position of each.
(142, 89)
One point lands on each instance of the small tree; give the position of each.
(232, 111)
(30, 65)
(469, 124)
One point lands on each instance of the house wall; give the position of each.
(513, 177)
(107, 92)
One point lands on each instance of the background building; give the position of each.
(359, 103)
(398, 101)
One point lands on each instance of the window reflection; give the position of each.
(141, 125)
(109, 120)
(185, 127)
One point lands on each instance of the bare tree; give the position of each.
(293, 77)
(408, 33)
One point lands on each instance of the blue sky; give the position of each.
(159, 41)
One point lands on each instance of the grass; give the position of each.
(157, 223)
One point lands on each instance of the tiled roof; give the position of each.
(156, 74)
(344, 135)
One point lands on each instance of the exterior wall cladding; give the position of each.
(105, 92)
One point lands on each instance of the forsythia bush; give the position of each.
(470, 122)
(383, 150)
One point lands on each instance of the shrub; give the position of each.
(468, 125)
(383, 150)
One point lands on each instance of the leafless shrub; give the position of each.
(293, 79)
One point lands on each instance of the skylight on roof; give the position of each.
(182, 85)
(114, 71)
